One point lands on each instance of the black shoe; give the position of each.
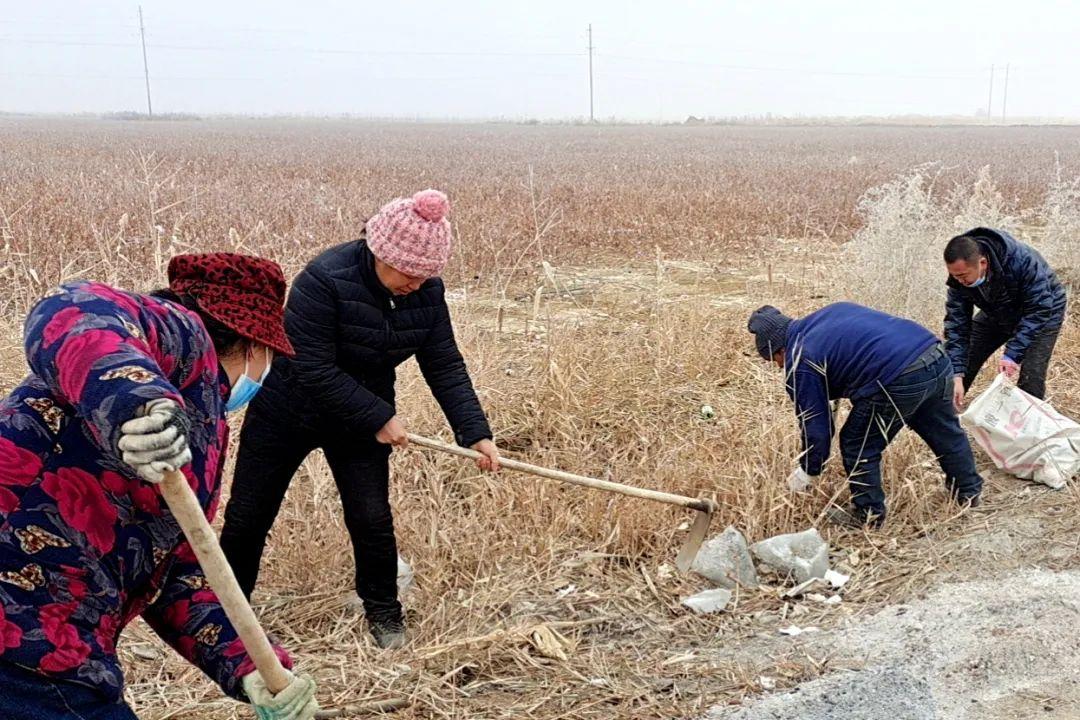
(972, 501)
(854, 518)
(389, 634)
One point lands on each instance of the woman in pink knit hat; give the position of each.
(354, 314)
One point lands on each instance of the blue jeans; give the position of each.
(922, 400)
(27, 695)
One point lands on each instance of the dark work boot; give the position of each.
(389, 633)
(855, 518)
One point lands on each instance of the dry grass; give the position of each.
(536, 600)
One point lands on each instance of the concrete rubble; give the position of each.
(725, 560)
(802, 555)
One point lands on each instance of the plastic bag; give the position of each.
(1023, 435)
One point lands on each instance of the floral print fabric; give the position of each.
(86, 545)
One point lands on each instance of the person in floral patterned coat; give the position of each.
(122, 388)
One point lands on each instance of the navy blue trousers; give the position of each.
(922, 400)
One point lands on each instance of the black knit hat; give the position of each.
(770, 327)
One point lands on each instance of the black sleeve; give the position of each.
(311, 318)
(445, 372)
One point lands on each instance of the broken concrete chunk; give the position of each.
(709, 601)
(802, 555)
(725, 560)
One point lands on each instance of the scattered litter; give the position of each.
(816, 597)
(834, 600)
(665, 571)
(145, 652)
(853, 559)
(837, 580)
(405, 577)
(708, 601)
(794, 630)
(767, 683)
(566, 591)
(725, 560)
(707, 412)
(598, 682)
(802, 587)
(804, 555)
(684, 525)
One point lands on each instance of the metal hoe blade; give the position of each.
(690, 548)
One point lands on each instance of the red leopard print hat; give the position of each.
(243, 292)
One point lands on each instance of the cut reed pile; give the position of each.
(535, 600)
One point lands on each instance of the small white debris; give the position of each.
(405, 576)
(801, 588)
(837, 580)
(707, 412)
(709, 601)
(794, 630)
(665, 571)
(146, 652)
(817, 597)
(684, 525)
(834, 600)
(598, 682)
(767, 683)
(566, 591)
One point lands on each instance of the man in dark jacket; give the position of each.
(1021, 303)
(895, 373)
(354, 314)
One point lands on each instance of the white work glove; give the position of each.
(156, 440)
(295, 702)
(798, 480)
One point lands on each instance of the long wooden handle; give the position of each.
(701, 504)
(185, 508)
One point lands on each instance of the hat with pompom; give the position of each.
(412, 235)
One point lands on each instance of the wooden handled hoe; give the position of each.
(185, 508)
(703, 506)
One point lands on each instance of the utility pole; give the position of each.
(1005, 97)
(592, 118)
(990, 99)
(146, 68)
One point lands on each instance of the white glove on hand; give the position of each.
(156, 440)
(295, 702)
(798, 480)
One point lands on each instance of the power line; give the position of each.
(146, 68)
(592, 118)
(312, 50)
(1005, 95)
(802, 71)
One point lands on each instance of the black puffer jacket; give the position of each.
(1021, 292)
(350, 334)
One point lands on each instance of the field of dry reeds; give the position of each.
(601, 283)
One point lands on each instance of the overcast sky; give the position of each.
(480, 58)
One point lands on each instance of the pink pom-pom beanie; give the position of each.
(412, 235)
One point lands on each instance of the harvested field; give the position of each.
(601, 283)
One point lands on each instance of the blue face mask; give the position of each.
(978, 282)
(245, 388)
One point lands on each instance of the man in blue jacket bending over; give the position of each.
(895, 373)
(1021, 306)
